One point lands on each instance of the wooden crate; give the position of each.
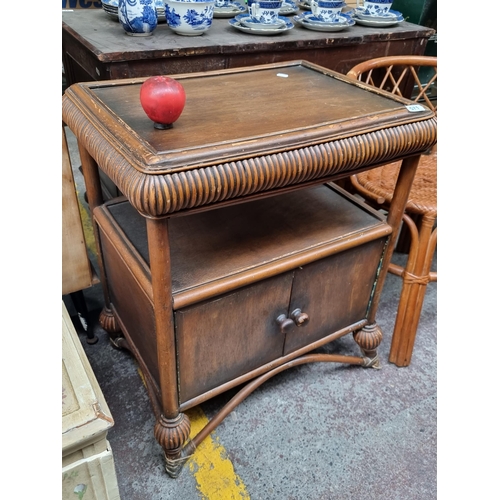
(88, 469)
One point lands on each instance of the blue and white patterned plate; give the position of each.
(378, 23)
(312, 19)
(235, 23)
(309, 21)
(247, 21)
(234, 9)
(392, 15)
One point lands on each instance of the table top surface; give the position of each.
(107, 40)
(243, 123)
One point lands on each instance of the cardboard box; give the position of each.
(81, 4)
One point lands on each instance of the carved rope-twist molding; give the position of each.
(161, 194)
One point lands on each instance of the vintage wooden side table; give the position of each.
(232, 255)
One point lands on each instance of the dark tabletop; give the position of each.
(105, 37)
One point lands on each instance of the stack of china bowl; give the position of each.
(376, 13)
(160, 10)
(189, 17)
(110, 7)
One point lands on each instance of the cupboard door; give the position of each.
(228, 336)
(334, 292)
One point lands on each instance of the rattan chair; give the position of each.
(402, 75)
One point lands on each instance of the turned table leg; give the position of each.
(172, 427)
(370, 337)
(90, 172)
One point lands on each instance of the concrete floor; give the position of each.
(320, 431)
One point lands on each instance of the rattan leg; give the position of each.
(416, 276)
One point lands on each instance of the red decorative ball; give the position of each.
(163, 100)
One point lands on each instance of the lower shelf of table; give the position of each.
(315, 250)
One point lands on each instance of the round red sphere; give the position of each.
(163, 100)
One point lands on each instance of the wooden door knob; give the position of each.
(300, 318)
(286, 324)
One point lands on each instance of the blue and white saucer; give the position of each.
(390, 19)
(285, 25)
(309, 21)
(288, 8)
(232, 10)
(390, 15)
(249, 22)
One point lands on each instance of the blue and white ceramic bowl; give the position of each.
(138, 17)
(189, 17)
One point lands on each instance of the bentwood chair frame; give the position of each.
(400, 75)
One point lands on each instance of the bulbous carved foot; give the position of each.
(368, 339)
(171, 434)
(108, 322)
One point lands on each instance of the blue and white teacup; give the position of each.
(375, 7)
(327, 11)
(265, 11)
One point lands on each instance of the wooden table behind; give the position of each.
(95, 47)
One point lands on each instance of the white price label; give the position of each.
(413, 108)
